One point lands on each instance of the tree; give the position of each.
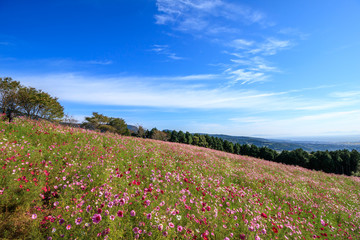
(141, 132)
(189, 138)
(267, 153)
(354, 161)
(106, 124)
(174, 136)
(8, 96)
(202, 141)
(245, 150)
(219, 144)
(181, 137)
(38, 104)
(210, 141)
(228, 146)
(159, 135)
(119, 125)
(237, 148)
(196, 140)
(95, 121)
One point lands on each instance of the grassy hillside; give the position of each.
(58, 182)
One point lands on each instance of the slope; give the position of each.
(61, 182)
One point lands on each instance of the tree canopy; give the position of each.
(16, 99)
(106, 124)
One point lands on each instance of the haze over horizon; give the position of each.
(281, 69)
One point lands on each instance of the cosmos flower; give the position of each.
(78, 220)
(132, 213)
(96, 218)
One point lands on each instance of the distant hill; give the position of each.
(280, 145)
(132, 128)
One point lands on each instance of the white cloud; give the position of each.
(241, 43)
(197, 15)
(156, 92)
(97, 62)
(244, 76)
(165, 50)
(248, 120)
(347, 94)
(271, 46)
(294, 32)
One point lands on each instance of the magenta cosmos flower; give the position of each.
(120, 213)
(132, 213)
(96, 218)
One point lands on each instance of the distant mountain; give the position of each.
(289, 145)
(132, 128)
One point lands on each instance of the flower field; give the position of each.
(59, 182)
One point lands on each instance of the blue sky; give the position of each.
(254, 68)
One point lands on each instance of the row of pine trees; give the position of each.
(339, 162)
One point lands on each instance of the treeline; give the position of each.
(339, 162)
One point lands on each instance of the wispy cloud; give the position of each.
(97, 62)
(271, 46)
(247, 69)
(346, 94)
(165, 50)
(244, 76)
(294, 32)
(226, 21)
(241, 44)
(204, 15)
(155, 92)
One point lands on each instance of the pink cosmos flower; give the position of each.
(96, 218)
(68, 227)
(171, 225)
(180, 228)
(34, 216)
(132, 213)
